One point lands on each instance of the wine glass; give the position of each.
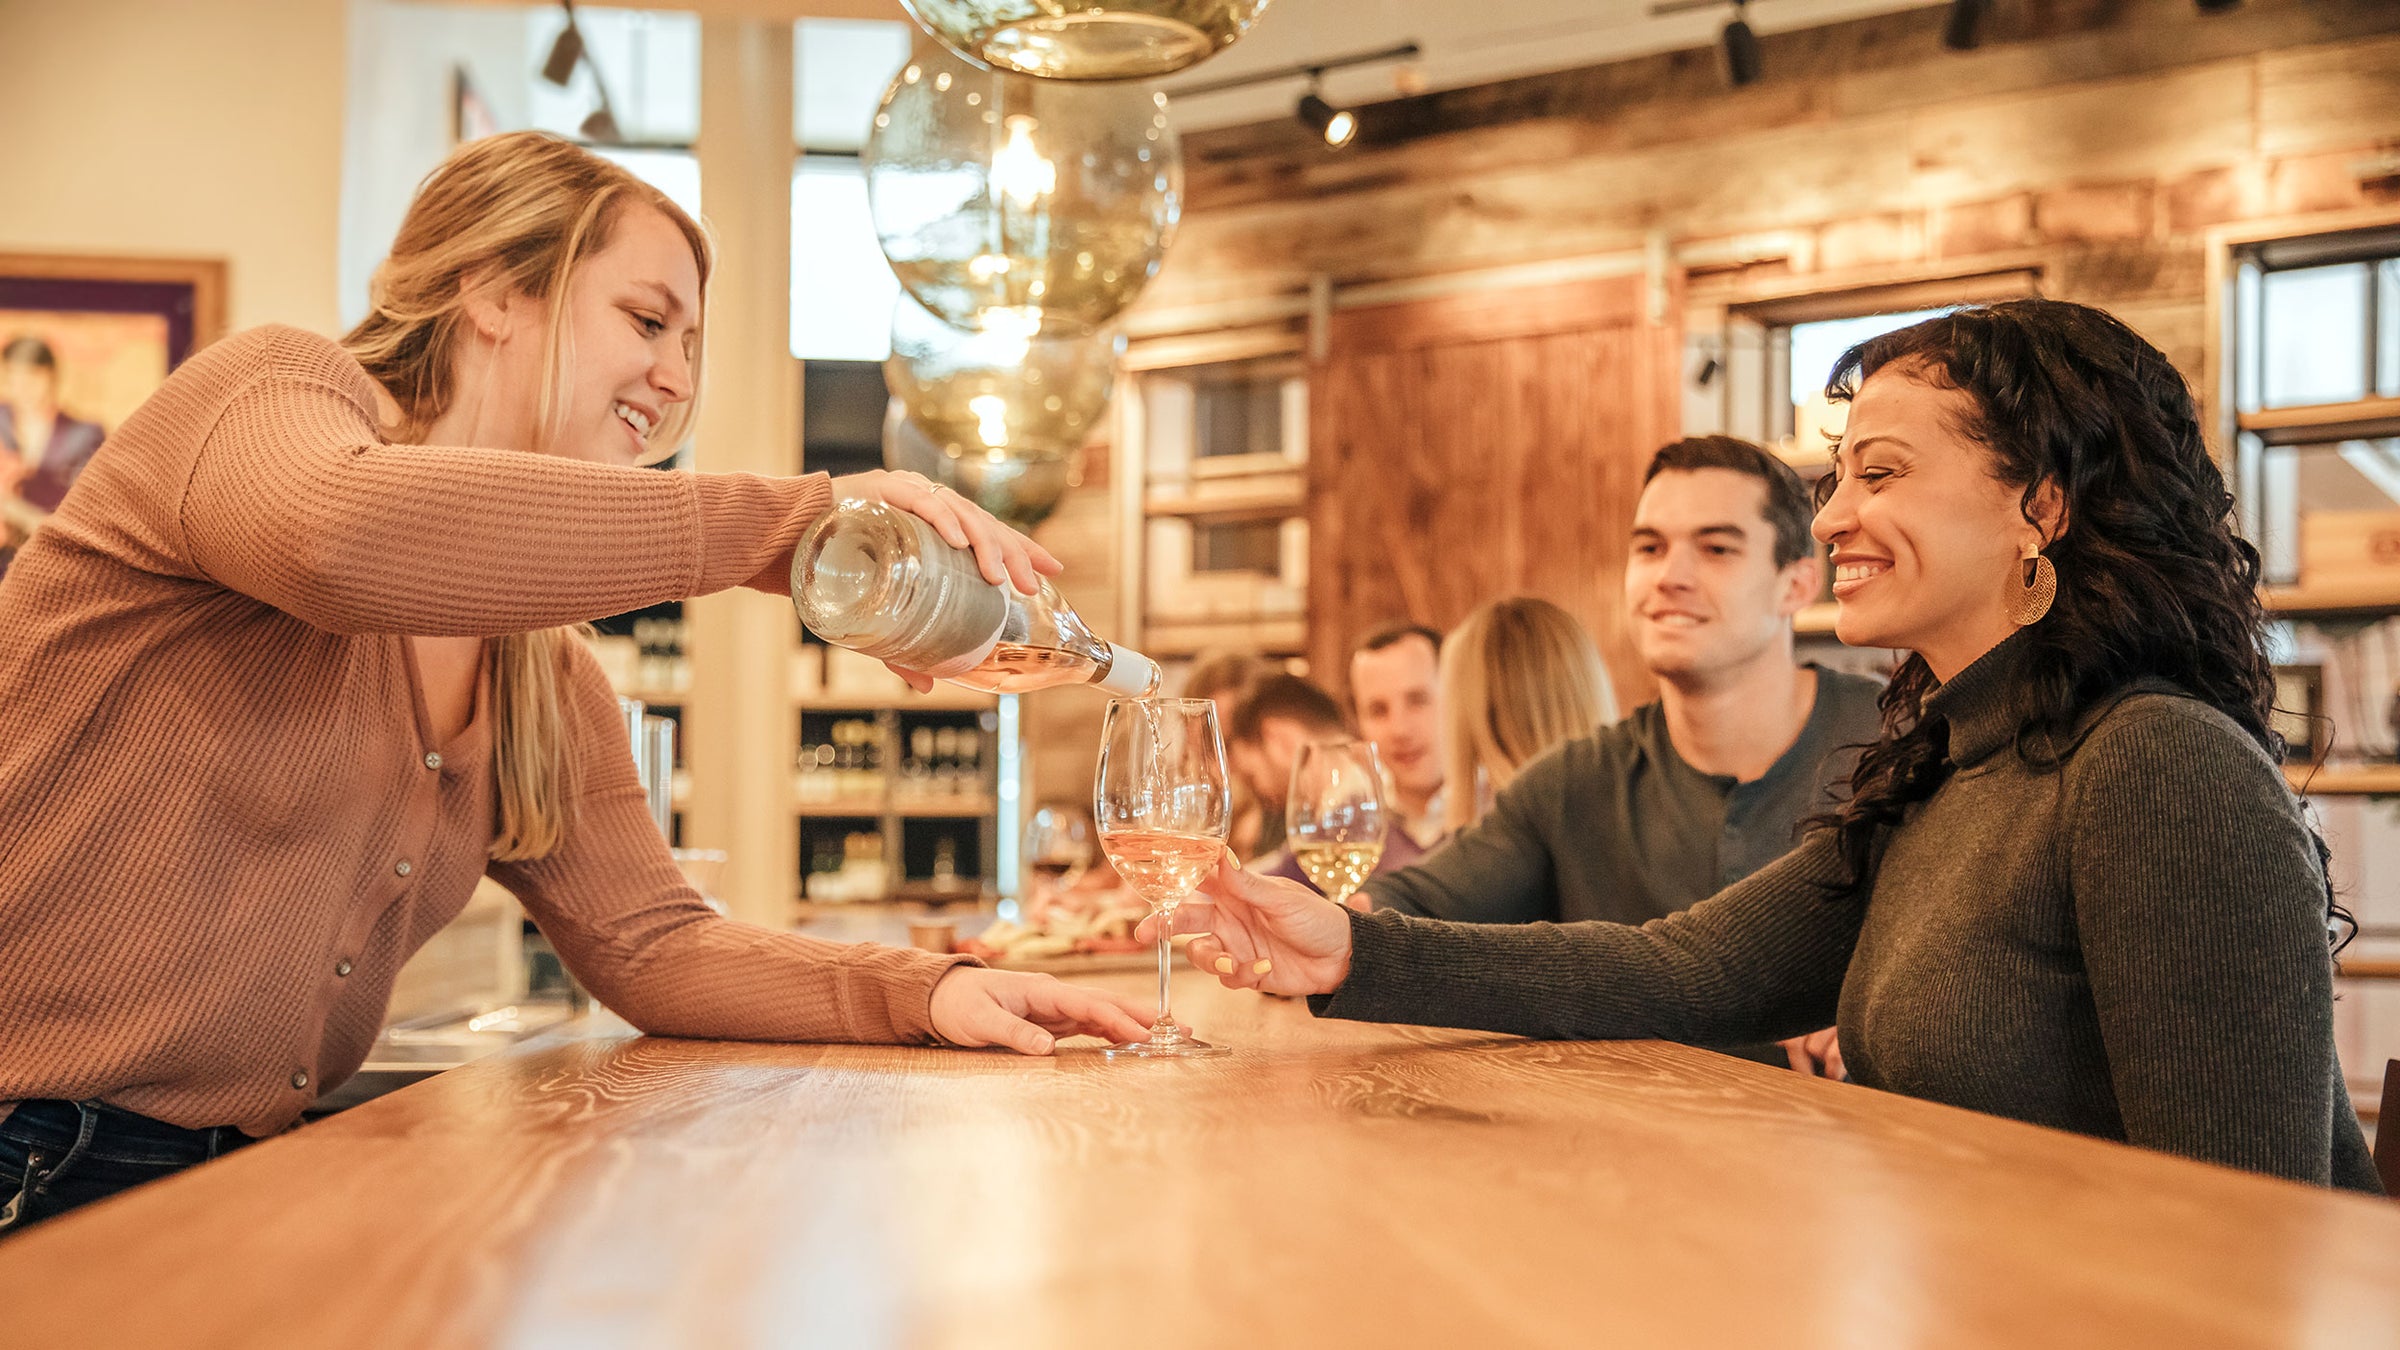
(1334, 816)
(1058, 851)
(1163, 804)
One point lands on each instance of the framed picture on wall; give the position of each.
(83, 341)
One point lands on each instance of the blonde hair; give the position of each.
(520, 210)
(1518, 676)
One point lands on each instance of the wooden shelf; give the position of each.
(655, 698)
(2332, 419)
(938, 808)
(2338, 599)
(1288, 498)
(2360, 780)
(860, 808)
(944, 698)
(2366, 968)
(876, 808)
(1182, 637)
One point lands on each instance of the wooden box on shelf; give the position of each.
(2349, 548)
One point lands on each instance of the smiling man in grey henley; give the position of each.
(1708, 784)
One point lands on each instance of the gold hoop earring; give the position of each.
(2030, 598)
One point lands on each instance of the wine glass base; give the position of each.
(1175, 1044)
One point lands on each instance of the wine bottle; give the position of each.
(881, 582)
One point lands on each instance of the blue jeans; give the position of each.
(56, 1155)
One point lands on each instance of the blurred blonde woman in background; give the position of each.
(294, 666)
(1518, 676)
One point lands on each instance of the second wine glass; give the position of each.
(1058, 851)
(1163, 803)
(1334, 816)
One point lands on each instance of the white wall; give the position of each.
(198, 128)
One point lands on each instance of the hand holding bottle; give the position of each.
(1002, 554)
(885, 581)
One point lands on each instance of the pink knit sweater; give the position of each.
(223, 826)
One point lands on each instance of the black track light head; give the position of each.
(1962, 31)
(1336, 125)
(565, 53)
(1742, 63)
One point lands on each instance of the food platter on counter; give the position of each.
(1064, 943)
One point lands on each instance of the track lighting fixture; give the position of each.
(1742, 64)
(1336, 125)
(568, 52)
(1962, 31)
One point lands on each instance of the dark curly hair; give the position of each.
(2152, 580)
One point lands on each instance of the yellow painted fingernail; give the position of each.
(1262, 967)
(1224, 965)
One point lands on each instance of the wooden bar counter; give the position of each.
(1327, 1184)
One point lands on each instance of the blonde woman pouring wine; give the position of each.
(291, 669)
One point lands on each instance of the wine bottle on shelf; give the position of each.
(881, 582)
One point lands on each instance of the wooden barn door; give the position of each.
(1481, 445)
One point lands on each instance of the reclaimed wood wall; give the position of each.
(1482, 444)
(2092, 142)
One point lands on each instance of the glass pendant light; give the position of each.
(996, 388)
(1022, 488)
(999, 193)
(1088, 39)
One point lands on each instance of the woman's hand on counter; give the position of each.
(1002, 553)
(1027, 1013)
(1262, 933)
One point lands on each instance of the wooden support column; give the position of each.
(741, 722)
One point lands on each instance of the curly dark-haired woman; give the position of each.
(2070, 885)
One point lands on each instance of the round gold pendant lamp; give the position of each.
(1033, 205)
(1088, 39)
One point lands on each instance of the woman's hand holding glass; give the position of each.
(1264, 933)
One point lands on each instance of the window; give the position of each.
(1809, 351)
(2316, 365)
(1224, 454)
(1761, 373)
(842, 289)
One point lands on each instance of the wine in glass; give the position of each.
(1334, 815)
(1058, 851)
(1163, 804)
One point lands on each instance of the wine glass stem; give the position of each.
(1166, 1018)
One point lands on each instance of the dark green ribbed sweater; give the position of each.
(2129, 944)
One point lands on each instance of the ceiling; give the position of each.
(1467, 42)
